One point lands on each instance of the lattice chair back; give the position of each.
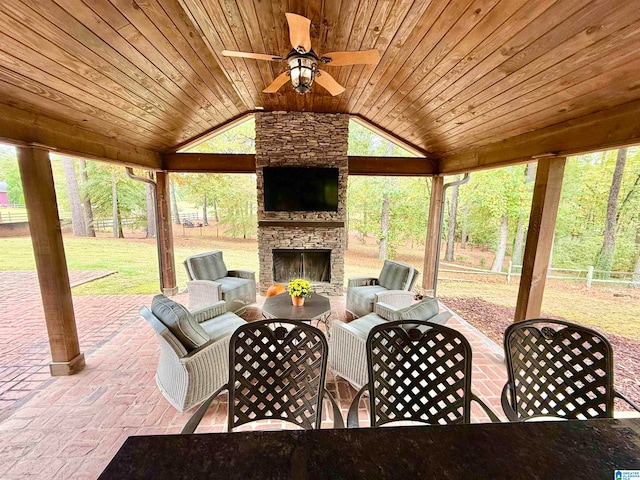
(418, 371)
(557, 369)
(277, 370)
(277, 373)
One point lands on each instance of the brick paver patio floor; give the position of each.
(70, 427)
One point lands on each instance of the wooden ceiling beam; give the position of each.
(608, 129)
(20, 128)
(210, 162)
(246, 163)
(395, 166)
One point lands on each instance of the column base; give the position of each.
(73, 366)
(170, 292)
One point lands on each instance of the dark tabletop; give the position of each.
(575, 449)
(280, 306)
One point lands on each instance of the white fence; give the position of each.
(588, 276)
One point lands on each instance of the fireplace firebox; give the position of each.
(311, 264)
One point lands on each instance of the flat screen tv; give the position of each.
(299, 189)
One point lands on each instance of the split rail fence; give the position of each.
(589, 276)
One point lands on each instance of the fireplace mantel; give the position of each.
(300, 223)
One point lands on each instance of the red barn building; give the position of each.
(4, 197)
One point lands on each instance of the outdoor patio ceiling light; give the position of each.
(302, 69)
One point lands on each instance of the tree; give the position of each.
(496, 198)
(463, 234)
(385, 215)
(130, 196)
(636, 270)
(518, 245)
(451, 234)
(78, 223)
(502, 244)
(174, 201)
(604, 260)
(86, 199)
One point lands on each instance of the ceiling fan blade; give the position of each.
(299, 27)
(329, 83)
(277, 83)
(257, 56)
(353, 58)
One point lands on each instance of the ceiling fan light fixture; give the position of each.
(302, 70)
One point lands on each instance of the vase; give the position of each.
(297, 301)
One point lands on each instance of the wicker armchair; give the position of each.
(194, 349)
(364, 292)
(275, 373)
(419, 371)
(210, 281)
(558, 369)
(348, 352)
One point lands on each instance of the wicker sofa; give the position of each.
(347, 346)
(210, 281)
(194, 349)
(364, 292)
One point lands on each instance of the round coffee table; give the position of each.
(316, 307)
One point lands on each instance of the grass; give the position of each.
(614, 310)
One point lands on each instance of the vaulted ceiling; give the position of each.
(471, 82)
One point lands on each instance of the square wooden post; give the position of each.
(433, 236)
(169, 285)
(48, 249)
(542, 223)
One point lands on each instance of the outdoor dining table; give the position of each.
(591, 449)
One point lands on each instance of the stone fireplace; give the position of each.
(302, 244)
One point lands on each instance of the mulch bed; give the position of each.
(493, 320)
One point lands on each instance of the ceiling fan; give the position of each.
(302, 61)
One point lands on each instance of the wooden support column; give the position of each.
(537, 251)
(169, 285)
(430, 270)
(48, 249)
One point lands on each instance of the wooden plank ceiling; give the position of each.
(456, 76)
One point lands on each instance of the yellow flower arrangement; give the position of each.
(299, 287)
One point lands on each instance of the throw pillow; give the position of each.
(423, 310)
(179, 321)
(394, 275)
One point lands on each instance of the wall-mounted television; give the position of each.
(300, 189)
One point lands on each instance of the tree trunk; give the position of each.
(77, 218)
(502, 245)
(451, 234)
(518, 247)
(604, 260)
(384, 226)
(636, 272)
(174, 203)
(151, 211)
(120, 229)
(114, 206)
(463, 235)
(216, 217)
(86, 199)
(205, 219)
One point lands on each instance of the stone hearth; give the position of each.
(302, 139)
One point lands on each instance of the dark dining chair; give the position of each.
(558, 369)
(418, 371)
(277, 371)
